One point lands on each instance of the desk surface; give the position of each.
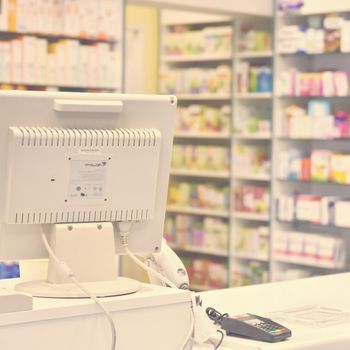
(327, 291)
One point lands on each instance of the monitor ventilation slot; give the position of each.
(57, 137)
(80, 216)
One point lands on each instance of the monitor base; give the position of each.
(44, 289)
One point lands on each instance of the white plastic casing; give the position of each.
(76, 175)
(73, 111)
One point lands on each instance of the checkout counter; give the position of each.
(162, 314)
(275, 299)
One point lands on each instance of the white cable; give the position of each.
(70, 274)
(148, 268)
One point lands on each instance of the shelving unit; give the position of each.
(286, 138)
(252, 137)
(259, 123)
(258, 54)
(200, 173)
(65, 46)
(204, 142)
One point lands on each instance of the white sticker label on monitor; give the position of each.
(88, 179)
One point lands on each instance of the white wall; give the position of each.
(234, 7)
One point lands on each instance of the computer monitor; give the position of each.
(75, 164)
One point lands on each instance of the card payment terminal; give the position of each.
(255, 327)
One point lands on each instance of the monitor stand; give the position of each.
(89, 251)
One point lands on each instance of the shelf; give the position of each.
(312, 97)
(312, 224)
(57, 37)
(248, 256)
(43, 86)
(199, 250)
(298, 261)
(252, 137)
(302, 54)
(202, 135)
(253, 177)
(251, 216)
(201, 173)
(198, 58)
(175, 18)
(313, 182)
(344, 8)
(306, 139)
(198, 211)
(254, 95)
(202, 97)
(255, 54)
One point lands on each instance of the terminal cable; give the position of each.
(215, 315)
(70, 274)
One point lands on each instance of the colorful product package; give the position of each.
(321, 165)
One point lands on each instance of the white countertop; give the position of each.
(327, 291)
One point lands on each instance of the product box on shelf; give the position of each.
(326, 83)
(251, 160)
(192, 232)
(321, 210)
(310, 249)
(318, 121)
(203, 119)
(206, 273)
(196, 80)
(253, 121)
(197, 157)
(253, 79)
(249, 272)
(320, 166)
(252, 199)
(181, 40)
(254, 40)
(198, 195)
(252, 241)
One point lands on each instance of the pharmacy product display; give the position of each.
(191, 233)
(198, 195)
(201, 158)
(249, 272)
(203, 120)
(314, 209)
(196, 81)
(30, 60)
(251, 154)
(253, 78)
(251, 161)
(317, 250)
(319, 121)
(254, 40)
(252, 241)
(196, 66)
(328, 34)
(326, 83)
(183, 41)
(206, 273)
(321, 165)
(253, 200)
(62, 45)
(254, 121)
(311, 135)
